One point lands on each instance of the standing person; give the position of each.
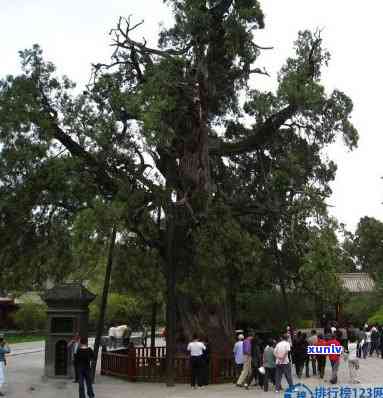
(261, 347)
(361, 341)
(312, 340)
(73, 346)
(246, 370)
(327, 329)
(353, 361)
(321, 359)
(290, 334)
(299, 354)
(374, 341)
(238, 355)
(205, 363)
(269, 364)
(306, 355)
(297, 357)
(380, 330)
(290, 339)
(196, 349)
(282, 362)
(256, 361)
(334, 358)
(4, 349)
(367, 345)
(83, 358)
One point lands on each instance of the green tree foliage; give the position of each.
(367, 246)
(265, 310)
(31, 316)
(137, 280)
(360, 308)
(321, 262)
(122, 310)
(376, 318)
(163, 128)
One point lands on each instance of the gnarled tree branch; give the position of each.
(258, 137)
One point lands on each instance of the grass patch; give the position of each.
(23, 338)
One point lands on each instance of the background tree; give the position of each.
(367, 246)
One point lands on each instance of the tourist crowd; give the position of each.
(264, 362)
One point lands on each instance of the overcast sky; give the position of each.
(73, 34)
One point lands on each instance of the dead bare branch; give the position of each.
(262, 47)
(122, 40)
(259, 72)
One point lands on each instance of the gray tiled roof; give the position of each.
(68, 293)
(357, 282)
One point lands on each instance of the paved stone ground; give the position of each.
(24, 380)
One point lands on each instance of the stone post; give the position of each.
(68, 315)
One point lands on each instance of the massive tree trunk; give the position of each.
(193, 189)
(210, 321)
(183, 316)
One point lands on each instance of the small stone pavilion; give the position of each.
(68, 314)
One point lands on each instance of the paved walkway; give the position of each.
(27, 348)
(24, 380)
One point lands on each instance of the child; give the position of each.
(353, 361)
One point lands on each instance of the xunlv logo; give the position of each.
(324, 349)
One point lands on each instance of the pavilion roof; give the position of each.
(357, 282)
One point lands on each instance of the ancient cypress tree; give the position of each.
(157, 125)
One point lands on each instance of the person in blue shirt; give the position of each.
(4, 349)
(238, 356)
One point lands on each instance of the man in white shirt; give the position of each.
(283, 367)
(196, 349)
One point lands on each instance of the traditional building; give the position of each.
(355, 283)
